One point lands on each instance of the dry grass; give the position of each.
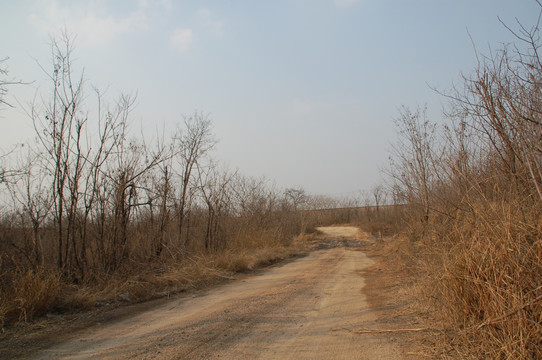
(494, 282)
(29, 294)
(483, 273)
(396, 289)
(245, 260)
(243, 246)
(34, 294)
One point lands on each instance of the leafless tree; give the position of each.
(192, 143)
(411, 162)
(59, 124)
(214, 185)
(133, 160)
(296, 197)
(378, 195)
(159, 190)
(32, 199)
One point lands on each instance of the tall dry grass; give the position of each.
(488, 279)
(28, 294)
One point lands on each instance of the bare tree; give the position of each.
(296, 197)
(214, 185)
(162, 195)
(133, 160)
(411, 163)
(378, 195)
(192, 143)
(31, 196)
(59, 129)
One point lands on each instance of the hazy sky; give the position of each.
(303, 92)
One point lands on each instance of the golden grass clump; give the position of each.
(29, 294)
(246, 260)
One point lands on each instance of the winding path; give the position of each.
(299, 310)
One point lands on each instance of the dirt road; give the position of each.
(299, 310)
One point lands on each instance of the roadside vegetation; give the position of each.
(473, 190)
(92, 214)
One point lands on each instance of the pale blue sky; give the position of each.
(303, 92)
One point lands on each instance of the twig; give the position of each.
(381, 331)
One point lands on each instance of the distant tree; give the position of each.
(378, 195)
(296, 197)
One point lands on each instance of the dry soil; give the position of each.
(309, 308)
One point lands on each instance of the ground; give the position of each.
(350, 298)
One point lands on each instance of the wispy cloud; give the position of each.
(209, 20)
(91, 21)
(165, 4)
(181, 39)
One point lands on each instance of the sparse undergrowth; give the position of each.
(397, 290)
(33, 294)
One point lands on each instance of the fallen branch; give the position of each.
(382, 331)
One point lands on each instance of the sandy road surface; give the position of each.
(299, 310)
